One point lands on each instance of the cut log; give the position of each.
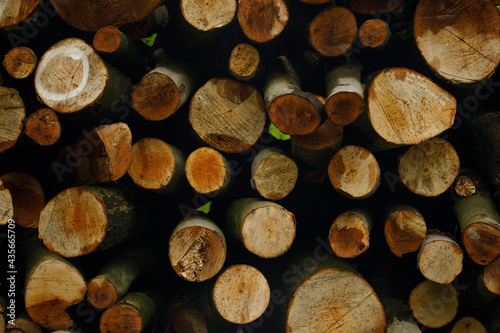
(52, 285)
(404, 230)
(477, 217)
(429, 168)
(43, 127)
(12, 114)
(264, 228)
(455, 47)
(207, 171)
(81, 220)
(354, 172)
(345, 101)
(274, 174)
(227, 115)
(197, 249)
(71, 77)
(6, 205)
(399, 113)
(490, 276)
(468, 325)
(23, 324)
(350, 233)
(156, 165)
(434, 305)
(374, 34)
(440, 258)
(262, 20)
(92, 15)
(104, 154)
(27, 198)
(133, 313)
(20, 62)
(13, 12)
(332, 31)
(290, 109)
(244, 62)
(208, 16)
(241, 294)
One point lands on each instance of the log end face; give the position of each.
(491, 276)
(12, 114)
(405, 231)
(107, 39)
(13, 12)
(206, 170)
(434, 305)
(481, 241)
(344, 108)
(374, 33)
(208, 15)
(326, 136)
(244, 61)
(117, 140)
(293, 114)
(43, 127)
(262, 21)
(101, 293)
(121, 317)
(349, 235)
(440, 260)
(20, 62)
(275, 176)
(468, 325)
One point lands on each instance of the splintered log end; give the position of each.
(241, 294)
(326, 136)
(107, 39)
(13, 12)
(294, 114)
(481, 241)
(372, 7)
(207, 170)
(117, 140)
(429, 168)
(434, 305)
(27, 198)
(101, 293)
(349, 235)
(452, 42)
(20, 62)
(70, 76)
(52, 287)
(197, 249)
(208, 15)
(464, 186)
(404, 230)
(43, 127)
(468, 325)
(343, 108)
(244, 62)
(228, 115)
(333, 31)
(317, 307)
(262, 20)
(354, 172)
(419, 108)
(491, 276)
(374, 34)
(12, 114)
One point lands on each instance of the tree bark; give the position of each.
(264, 228)
(468, 325)
(429, 168)
(20, 62)
(43, 127)
(244, 63)
(208, 172)
(274, 174)
(156, 165)
(26, 196)
(332, 31)
(227, 115)
(446, 30)
(262, 20)
(354, 172)
(81, 220)
(434, 305)
(374, 34)
(350, 233)
(197, 249)
(12, 114)
(404, 230)
(477, 217)
(14, 12)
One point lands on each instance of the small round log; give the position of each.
(12, 114)
(207, 171)
(404, 230)
(374, 34)
(468, 325)
(490, 276)
(20, 62)
(262, 20)
(43, 127)
(244, 62)
(350, 234)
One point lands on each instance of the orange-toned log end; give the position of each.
(153, 164)
(12, 114)
(107, 39)
(262, 20)
(468, 325)
(326, 136)
(343, 108)
(15, 11)
(370, 7)
(374, 34)
(354, 172)
(156, 96)
(43, 127)
(317, 307)
(117, 140)
(101, 293)
(333, 31)
(481, 242)
(27, 196)
(244, 61)
(241, 294)
(121, 318)
(491, 276)
(405, 231)
(294, 114)
(207, 170)
(20, 62)
(349, 235)
(429, 296)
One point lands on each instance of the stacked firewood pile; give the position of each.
(249, 166)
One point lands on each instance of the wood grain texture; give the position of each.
(207, 171)
(20, 62)
(43, 127)
(208, 15)
(404, 230)
(12, 114)
(13, 12)
(262, 20)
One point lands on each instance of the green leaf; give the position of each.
(277, 134)
(205, 208)
(149, 41)
(498, 7)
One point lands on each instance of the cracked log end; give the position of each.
(207, 170)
